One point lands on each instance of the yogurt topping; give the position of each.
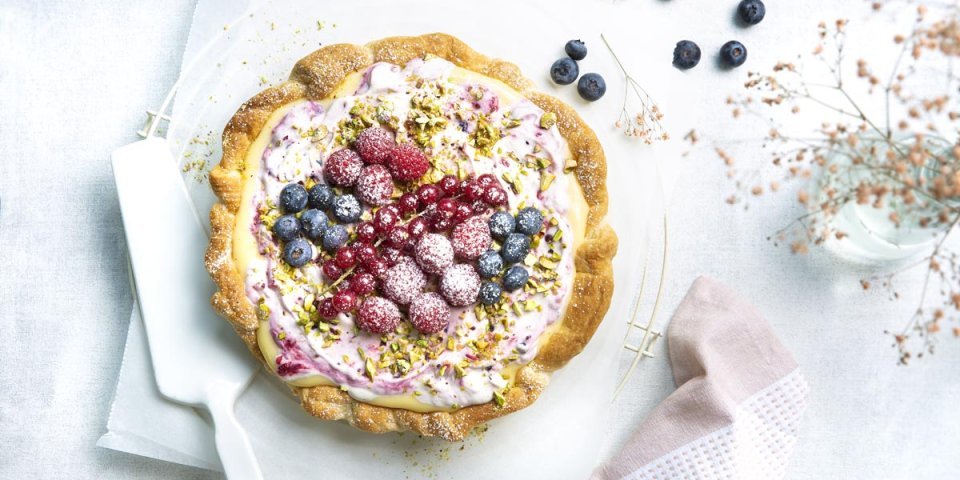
(468, 125)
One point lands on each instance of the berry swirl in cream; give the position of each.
(411, 238)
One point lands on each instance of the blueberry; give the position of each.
(297, 252)
(287, 227)
(334, 237)
(314, 223)
(564, 71)
(490, 293)
(320, 196)
(293, 198)
(752, 11)
(733, 54)
(515, 248)
(686, 55)
(502, 224)
(576, 49)
(346, 209)
(591, 87)
(529, 221)
(515, 278)
(489, 264)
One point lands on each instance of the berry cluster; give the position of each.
(686, 54)
(566, 70)
(515, 234)
(300, 223)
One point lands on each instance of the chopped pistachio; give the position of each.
(498, 399)
(545, 180)
(548, 120)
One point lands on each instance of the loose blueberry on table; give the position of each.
(591, 87)
(576, 49)
(752, 11)
(733, 54)
(564, 71)
(686, 55)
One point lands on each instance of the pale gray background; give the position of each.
(75, 78)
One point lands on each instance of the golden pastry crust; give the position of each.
(315, 77)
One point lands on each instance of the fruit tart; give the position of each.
(409, 235)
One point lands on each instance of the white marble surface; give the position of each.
(76, 78)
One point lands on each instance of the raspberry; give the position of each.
(326, 309)
(407, 162)
(407, 204)
(450, 185)
(429, 313)
(375, 185)
(428, 194)
(434, 253)
(366, 232)
(374, 145)
(345, 301)
(403, 282)
(363, 284)
(385, 219)
(471, 238)
(460, 285)
(495, 196)
(399, 238)
(342, 167)
(331, 270)
(378, 315)
(417, 227)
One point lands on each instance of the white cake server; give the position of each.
(197, 359)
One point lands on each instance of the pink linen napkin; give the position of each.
(738, 403)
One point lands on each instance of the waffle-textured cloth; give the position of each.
(739, 399)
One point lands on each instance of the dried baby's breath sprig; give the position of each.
(902, 163)
(644, 123)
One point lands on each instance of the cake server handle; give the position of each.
(233, 446)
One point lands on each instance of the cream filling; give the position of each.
(251, 262)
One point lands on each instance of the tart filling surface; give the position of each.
(468, 125)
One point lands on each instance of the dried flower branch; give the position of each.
(897, 171)
(644, 123)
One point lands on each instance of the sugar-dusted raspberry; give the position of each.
(374, 145)
(459, 285)
(378, 315)
(434, 253)
(342, 167)
(429, 313)
(375, 185)
(495, 196)
(450, 185)
(471, 238)
(345, 300)
(418, 226)
(407, 162)
(403, 282)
